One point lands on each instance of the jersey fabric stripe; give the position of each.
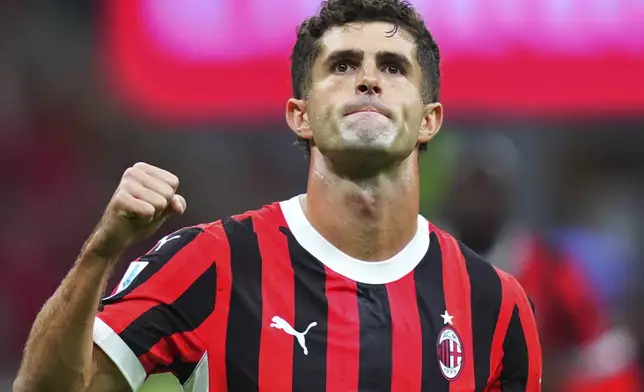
(343, 336)
(529, 328)
(161, 354)
(181, 369)
(515, 368)
(175, 313)
(458, 304)
(244, 327)
(176, 353)
(162, 269)
(486, 306)
(521, 343)
(309, 371)
(194, 306)
(157, 258)
(216, 325)
(278, 292)
(428, 277)
(375, 338)
(500, 330)
(407, 359)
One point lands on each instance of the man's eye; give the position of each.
(393, 69)
(342, 67)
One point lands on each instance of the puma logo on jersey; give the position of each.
(164, 241)
(280, 323)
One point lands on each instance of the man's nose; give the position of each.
(369, 81)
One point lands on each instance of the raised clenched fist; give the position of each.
(145, 197)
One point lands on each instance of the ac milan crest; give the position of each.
(450, 353)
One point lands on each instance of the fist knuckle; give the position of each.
(162, 204)
(174, 181)
(127, 186)
(148, 212)
(119, 198)
(168, 193)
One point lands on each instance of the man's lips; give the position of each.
(367, 109)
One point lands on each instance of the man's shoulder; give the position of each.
(268, 216)
(209, 241)
(473, 261)
(487, 281)
(491, 277)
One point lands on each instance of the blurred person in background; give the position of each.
(583, 351)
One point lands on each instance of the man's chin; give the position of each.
(366, 153)
(349, 147)
(376, 140)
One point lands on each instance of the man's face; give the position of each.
(365, 95)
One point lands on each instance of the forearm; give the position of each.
(58, 355)
(60, 350)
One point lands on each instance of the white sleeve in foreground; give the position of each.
(119, 352)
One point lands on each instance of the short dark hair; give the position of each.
(335, 13)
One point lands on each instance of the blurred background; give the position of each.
(539, 166)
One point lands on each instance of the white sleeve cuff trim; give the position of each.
(119, 352)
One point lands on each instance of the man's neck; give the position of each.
(370, 219)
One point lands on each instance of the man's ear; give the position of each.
(432, 121)
(298, 119)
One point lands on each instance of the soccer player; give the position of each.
(345, 288)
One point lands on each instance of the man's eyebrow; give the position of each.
(346, 54)
(396, 57)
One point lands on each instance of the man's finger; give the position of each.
(161, 174)
(178, 204)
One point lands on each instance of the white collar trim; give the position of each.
(381, 272)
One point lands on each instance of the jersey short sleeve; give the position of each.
(521, 368)
(150, 322)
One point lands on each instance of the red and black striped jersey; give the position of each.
(262, 302)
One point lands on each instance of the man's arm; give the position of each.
(60, 354)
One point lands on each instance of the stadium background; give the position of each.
(198, 87)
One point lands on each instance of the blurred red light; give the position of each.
(164, 69)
